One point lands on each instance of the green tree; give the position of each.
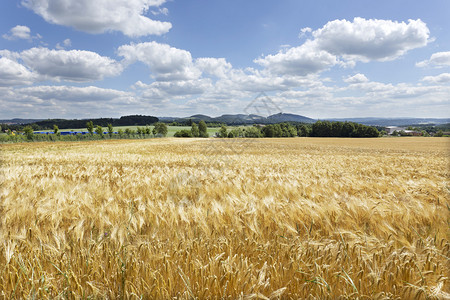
(278, 131)
(303, 130)
(336, 129)
(99, 130)
(203, 130)
(322, 129)
(194, 129)
(403, 133)
(347, 129)
(372, 131)
(160, 129)
(287, 130)
(237, 132)
(440, 133)
(223, 132)
(110, 130)
(253, 132)
(28, 130)
(183, 133)
(56, 130)
(90, 127)
(268, 131)
(120, 132)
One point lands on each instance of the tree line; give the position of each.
(133, 120)
(94, 132)
(318, 129)
(195, 131)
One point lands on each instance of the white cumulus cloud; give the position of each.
(73, 65)
(166, 63)
(20, 32)
(12, 73)
(126, 16)
(342, 42)
(358, 78)
(218, 67)
(372, 39)
(173, 89)
(438, 60)
(303, 60)
(73, 94)
(441, 78)
(68, 102)
(65, 43)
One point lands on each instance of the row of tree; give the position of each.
(195, 131)
(134, 120)
(94, 132)
(318, 129)
(159, 130)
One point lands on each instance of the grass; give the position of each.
(207, 218)
(170, 133)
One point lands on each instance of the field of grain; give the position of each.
(206, 218)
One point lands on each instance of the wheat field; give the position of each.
(298, 218)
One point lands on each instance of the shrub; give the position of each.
(203, 131)
(183, 133)
(160, 129)
(222, 132)
(194, 130)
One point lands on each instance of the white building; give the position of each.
(391, 129)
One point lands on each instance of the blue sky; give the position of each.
(108, 58)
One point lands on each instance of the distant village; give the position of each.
(409, 131)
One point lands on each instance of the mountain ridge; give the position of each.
(239, 119)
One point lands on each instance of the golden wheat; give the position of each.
(250, 219)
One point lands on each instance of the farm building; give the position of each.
(391, 129)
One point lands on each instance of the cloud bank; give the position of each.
(126, 16)
(342, 42)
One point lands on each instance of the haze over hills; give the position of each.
(244, 119)
(286, 117)
(19, 121)
(231, 119)
(395, 121)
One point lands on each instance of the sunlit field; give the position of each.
(170, 129)
(306, 218)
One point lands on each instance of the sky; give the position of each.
(321, 58)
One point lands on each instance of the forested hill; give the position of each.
(123, 121)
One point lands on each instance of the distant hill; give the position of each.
(279, 118)
(231, 119)
(17, 121)
(396, 121)
(239, 119)
(200, 117)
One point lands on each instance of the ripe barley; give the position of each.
(283, 218)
